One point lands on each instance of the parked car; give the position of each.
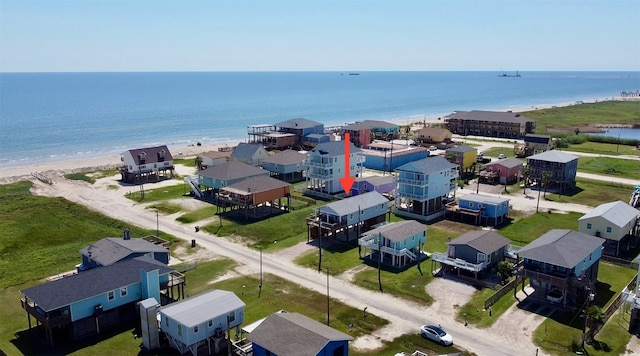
(436, 334)
(432, 148)
(555, 296)
(501, 156)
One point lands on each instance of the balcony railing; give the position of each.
(543, 277)
(415, 182)
(369, 241)
(45, 318)
(316, 164)
(457, 262)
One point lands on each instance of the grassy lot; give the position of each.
(623, 168)
(524, 230)
(158, 194)
(496, 151)
(408, 284)
(474, 309)
(561, 333)
(279, 231)
(604, 148)
(592, 193)
(47, 233)
(607, 112)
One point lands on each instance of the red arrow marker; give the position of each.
(347, 182)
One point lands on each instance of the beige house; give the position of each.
(433, 135)
(617, 222)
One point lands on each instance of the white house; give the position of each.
(616, 222)
(192, 322)
(325, 165)
(143, 162)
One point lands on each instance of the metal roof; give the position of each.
(65, 291)
(352, 204)
(398, 231)
(110, 250)
(487, 199)
(618, 213)
(486, 242)
(293, 334)
(298, 123)
(553, 156)
(428, 165)
(198, 309)
(376, 180)
(564, 248)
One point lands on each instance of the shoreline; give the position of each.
(15, 172)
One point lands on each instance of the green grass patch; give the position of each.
(604, 148)
(591, 193)
(408, 284)
(335, 259)
(475, 312)
(624, 168)
(46, 234)
(165, 208)
(605, 112)
(80, 176)
(524, 230)
(187, 162)
(279, 294)
(207, 212)
(157, 194)
(284, 230)
(561, 334)
(496, 151)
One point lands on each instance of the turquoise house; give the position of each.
(399, 243)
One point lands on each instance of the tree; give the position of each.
(505, 269)
(595, 318)
(198, 162)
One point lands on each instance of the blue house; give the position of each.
(400, 243)
(380, 184)
(562, 260)
(346, 218)
(293, 334)
(301, 128)
(286, 165)
(93, 301)
(387, 156)
(424, 187)
(110, 250)
(483, 209)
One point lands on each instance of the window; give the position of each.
(471, 204)
(589, 226)
(195, 329)
(123, 291)
(210, 323)
(179, 329)
(608, 229)
(111, 295)
(166, 321)
(232, 316)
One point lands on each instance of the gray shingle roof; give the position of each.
(564, 248)
(113, 249)
(510, 162)
(553, 156)
(398, 231)
(461, 149)
(484, 241)
(484, 199)
(618, 213)
(376, 180)
(286, 157)
(333, 148)
(246, 150)
(198, 309)
(62, 292)
(293, 334)
(232, 170)
(350, 205)
(255, 184)
(428, 165)
(299, 123)
(152, 154)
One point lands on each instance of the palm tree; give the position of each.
(505, 269)
(198, 162)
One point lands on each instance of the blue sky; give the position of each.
(310, 35)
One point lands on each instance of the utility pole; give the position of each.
(327, 296)
(260, 286)
(379, 261)
(157, 225)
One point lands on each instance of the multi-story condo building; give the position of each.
(489, 123)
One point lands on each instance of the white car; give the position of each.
(436, 334)
(501, 156)
(432, 148)
(555, 296)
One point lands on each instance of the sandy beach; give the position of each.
(13, 173)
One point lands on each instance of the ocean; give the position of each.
(46, 117)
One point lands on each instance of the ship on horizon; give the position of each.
(517, 75)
